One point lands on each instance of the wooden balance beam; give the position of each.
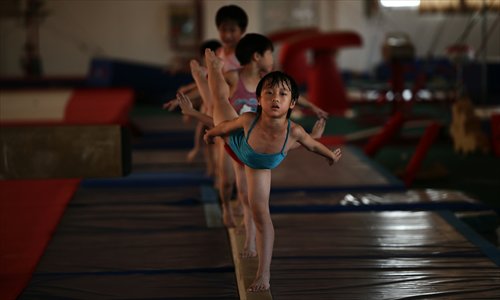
(245, 268)
(64, 151)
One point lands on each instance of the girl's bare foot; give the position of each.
(196, 70)
(191, 156)
(212, 61)
(250, 247)
(260, 284)
(248, 252)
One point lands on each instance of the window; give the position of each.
(400, 3)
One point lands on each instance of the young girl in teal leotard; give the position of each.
(261, 141)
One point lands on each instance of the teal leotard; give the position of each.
(239, 145)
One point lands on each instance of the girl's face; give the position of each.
(266, 61)
(276, 100)
(230, 34)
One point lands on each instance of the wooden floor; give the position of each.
(154, 241)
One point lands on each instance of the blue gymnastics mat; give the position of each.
(153, 179)
(380, 255)
(410, 200)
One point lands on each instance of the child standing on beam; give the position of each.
(254, 51)
(260, 141)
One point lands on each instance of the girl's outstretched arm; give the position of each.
(174, 103)
(223, 129)
(314, 146)
(318, 111)
(188, 110)
(316, 133)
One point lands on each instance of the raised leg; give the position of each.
(208, 153)
(202, 84)
(222, 109)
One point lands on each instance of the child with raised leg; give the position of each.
(249, 249)
(261, 141)
(191, 91)
(254, 51)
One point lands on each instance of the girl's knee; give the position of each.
(261, 215)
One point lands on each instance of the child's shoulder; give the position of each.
(296, 130)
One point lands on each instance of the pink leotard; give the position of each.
(230, 61)
(243, 100)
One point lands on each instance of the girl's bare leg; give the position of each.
(202, 84)
(198, 139)
(222, 109)
(225, 182)
(259, 187)
(208, 149)
(209, 159)
(249, 249)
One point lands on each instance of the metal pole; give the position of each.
(484, 65)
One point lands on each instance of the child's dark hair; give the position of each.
(278, 78)
(232, 13)
(251, 43)
(210, 44)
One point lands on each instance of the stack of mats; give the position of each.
(66, 107)
(31, 209)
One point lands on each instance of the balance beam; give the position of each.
(245, 268)
(64, 151)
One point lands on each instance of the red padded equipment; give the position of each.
(29, 213)
(325, 85)
(286, 34)
(391, 127)
(426, 141)
(100, 106)
(300, 61)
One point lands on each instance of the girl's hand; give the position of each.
(318, 128)
(336, 154)
(171, 105)
(208, 138)
(321, 114)
(186, 88)
(185, 103)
